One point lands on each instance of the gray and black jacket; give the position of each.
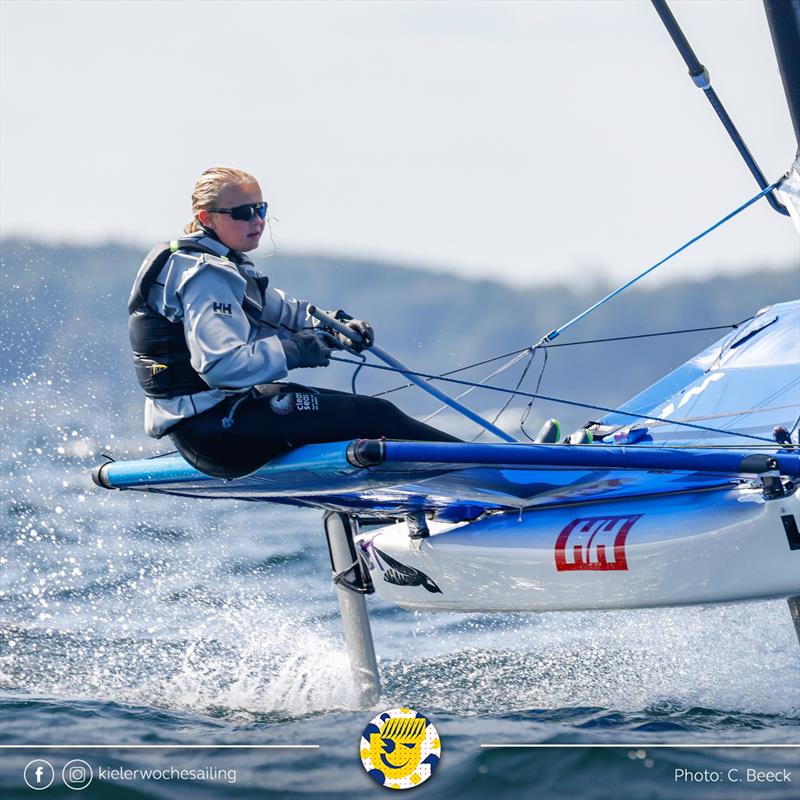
(230, 320)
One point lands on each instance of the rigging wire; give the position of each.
(477, 385)
(524, 418)
(548, 338)
(558, 331)
(544, 348)
(605, 340)
(354, 376)
(549, 398)
(516, 387)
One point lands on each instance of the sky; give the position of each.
(529, 142)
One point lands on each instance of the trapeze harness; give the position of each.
(246, 429)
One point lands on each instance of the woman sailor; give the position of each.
(211, 340)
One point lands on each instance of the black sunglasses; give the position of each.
(244, 213)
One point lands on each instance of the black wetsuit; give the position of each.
(240, 434)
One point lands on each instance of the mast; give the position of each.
(783, 17)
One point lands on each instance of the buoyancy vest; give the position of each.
(161, 356)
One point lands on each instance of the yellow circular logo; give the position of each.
(400, 749)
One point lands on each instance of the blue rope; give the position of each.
(558, 331)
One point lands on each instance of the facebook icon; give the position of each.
(39, 774)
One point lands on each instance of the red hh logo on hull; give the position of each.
(585, 543)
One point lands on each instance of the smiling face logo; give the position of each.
(400, 748)
(397, 746)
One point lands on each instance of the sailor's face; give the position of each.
(241, 235)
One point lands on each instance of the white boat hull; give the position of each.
(700, 547)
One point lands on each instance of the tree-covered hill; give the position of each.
(64, 318)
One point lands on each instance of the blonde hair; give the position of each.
(208, 188)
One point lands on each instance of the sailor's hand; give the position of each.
(366, 334)
(306, 350)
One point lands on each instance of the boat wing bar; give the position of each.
(367, 452)
(700, 77)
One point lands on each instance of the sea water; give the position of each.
(143, 623)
